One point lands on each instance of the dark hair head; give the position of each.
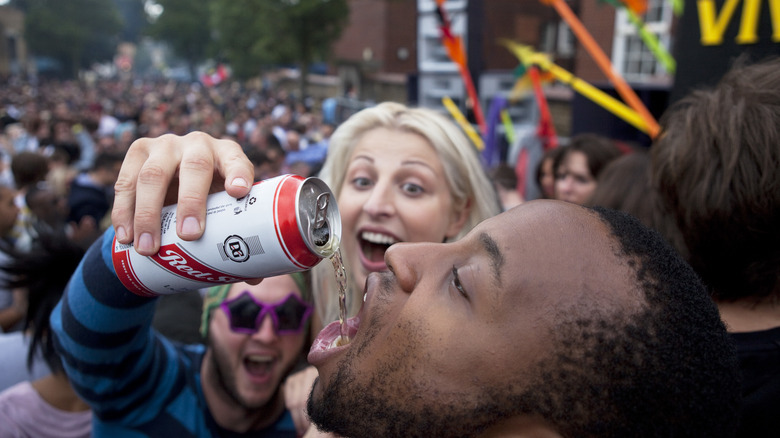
(599, 151)
(665, 367)
(504, 175)
(29, 168)
(715, 168)
(549, 154)
(624, 185)
(44, 272)
(107, 160)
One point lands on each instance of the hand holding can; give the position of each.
(284, 224)
(159, 171)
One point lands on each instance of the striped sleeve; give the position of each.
(122, 368)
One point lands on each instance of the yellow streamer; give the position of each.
(463, 122)
(616, 107)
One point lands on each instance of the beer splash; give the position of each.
(341, 279)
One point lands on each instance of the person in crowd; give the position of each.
(13, 302)
(545, 173)
(624, 184)
(578, 166)
(715, 170)
(48, 208)
(29, 169)
(90, 195)
(142, 384)
(505, 183)
(42, 403)
(485, 337)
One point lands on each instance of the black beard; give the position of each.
(394, 401)
(350, 409)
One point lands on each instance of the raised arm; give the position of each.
(113, 358)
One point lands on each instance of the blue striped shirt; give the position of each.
(137, 382)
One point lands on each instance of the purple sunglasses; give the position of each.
(246, 314)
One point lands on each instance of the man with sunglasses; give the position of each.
(138, 382)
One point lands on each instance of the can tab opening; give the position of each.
(321, 232)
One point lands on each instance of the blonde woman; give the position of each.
(399, 174)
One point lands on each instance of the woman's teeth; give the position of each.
(378, 238)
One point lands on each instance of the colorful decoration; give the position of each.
(463, 122)
(457, 54)
(511, 137)
(623, 89)
(546, 129)
(528, 56)
(215, 76)
(491, 153)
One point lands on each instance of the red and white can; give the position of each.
(285, 224)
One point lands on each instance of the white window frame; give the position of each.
(642, 66)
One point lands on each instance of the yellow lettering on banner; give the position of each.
(748, 27)
(774, 10)
(713, 25)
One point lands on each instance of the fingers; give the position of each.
(125, 189)
(203, 157)
(236, 169)
(160, 170)
(141, 188)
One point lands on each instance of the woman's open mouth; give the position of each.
(373, 246)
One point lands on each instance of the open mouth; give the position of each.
(373, 245)
(330, 340)
(258, 365)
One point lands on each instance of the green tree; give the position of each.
(252, 34)
(184, 26)
(77, 33)
(134, 17)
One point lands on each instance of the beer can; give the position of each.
(285, 224)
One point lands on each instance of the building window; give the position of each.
(631, 56)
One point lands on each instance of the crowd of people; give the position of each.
(639, 297)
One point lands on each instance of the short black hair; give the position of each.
(666, 369)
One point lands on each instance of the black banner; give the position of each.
(712, 33)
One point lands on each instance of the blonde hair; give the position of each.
(466, 178)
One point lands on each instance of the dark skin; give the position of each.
(451, 330)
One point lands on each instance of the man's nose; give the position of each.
(266, 332)
(407, 261)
